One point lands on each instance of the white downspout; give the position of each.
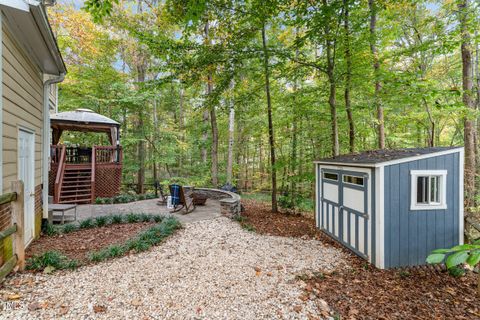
(46, 138)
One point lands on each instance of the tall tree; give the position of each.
(372, 4)
(468, 100)
(231, 134)
(271, 137)
(348, 75)
(330, 48)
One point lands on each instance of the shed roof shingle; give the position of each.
(379, 156)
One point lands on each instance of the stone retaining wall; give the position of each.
(230, 205)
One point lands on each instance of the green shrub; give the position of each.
(115, 251)
(98, 256)
(70, 227)
(137, 245)
(157, 218)
(145, 217)
(117, 218)
(101, 221)
(132, 218)
(142, 242)
(50, 230)
(87, 223)
(50, 259)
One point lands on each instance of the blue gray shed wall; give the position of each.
(411, 235)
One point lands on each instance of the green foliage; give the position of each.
(125, 198)
(132, 218)
(87, 223)
(141, 242)
(69, 227)
(52, 259)
(157, 218)
(50, 230)
(101, 221)
(143, 217)
(116, 218)
(455, 258)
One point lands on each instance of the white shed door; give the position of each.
(343, 210)
(26, 173)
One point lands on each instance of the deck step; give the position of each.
(76, 185)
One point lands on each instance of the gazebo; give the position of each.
(81, 174)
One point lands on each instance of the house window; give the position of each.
(428, 189)
(353, 180)
(330, 176)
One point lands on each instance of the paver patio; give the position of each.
(209, 211)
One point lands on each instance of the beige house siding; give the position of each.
(22, 106)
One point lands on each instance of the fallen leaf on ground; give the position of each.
(99, 308)
(136, 302)
(63, 310)
(297, 308)
(14, 296)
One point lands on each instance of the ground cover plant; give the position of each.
(125, 198)
(361, 291)
(75, 244)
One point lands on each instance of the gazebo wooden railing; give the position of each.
(81, 175)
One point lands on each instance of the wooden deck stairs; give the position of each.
(76, 186)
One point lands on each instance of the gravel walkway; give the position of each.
(210, 270)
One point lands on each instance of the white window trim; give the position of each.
(443, 191)
(353, 184)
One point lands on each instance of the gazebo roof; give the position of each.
(82, 117)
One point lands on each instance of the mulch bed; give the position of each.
(365, 292)
(76, 245)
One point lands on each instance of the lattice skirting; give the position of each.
(108, 181)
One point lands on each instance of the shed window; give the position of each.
(428, 189)
(330, 176)
(353, 180)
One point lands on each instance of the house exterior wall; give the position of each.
(22, 107)
(409, 236)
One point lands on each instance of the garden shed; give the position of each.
(392, 207)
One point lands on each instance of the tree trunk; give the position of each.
(348, 77)
(376, 71)
(181, 126)
(332, 99)
(469, 103)
(231, 134)
(213, 120)
(270, 121)
(141, 142)
(293, 160)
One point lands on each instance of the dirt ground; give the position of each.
(77, 244)
(365, 292)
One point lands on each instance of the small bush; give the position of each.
(142, 242)
(248, 227)
(87, 223)
(145, 217)
(101, 221)
(157, 218)
(98, 256)
(132, 218)
(50, 258)
(115, 251)
(117, 218)
(70, 227)
(51, 230)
